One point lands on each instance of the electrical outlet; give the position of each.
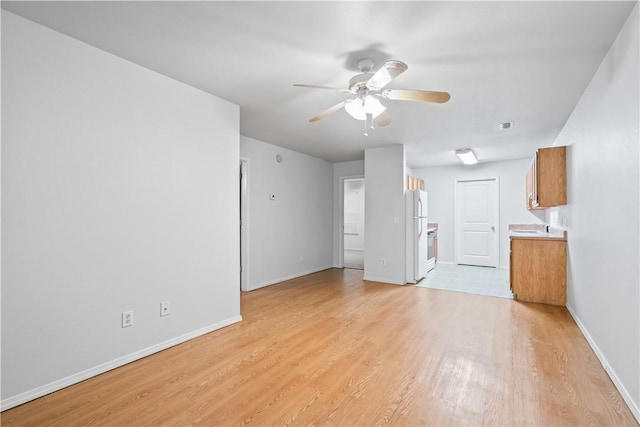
(383, 262)
(164, 309)
(301, 257)
(127, 318)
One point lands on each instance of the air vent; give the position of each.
(506, 125)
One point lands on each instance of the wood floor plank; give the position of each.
(330, 349)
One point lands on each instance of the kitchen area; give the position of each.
(532, 263)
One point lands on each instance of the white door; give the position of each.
(476, 222)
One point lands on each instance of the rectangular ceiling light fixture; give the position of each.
(467, 156)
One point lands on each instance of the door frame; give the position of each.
(244, 225)
(456, 217)
(341, 216)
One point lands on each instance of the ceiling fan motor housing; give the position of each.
(365, 65)
(358, 81)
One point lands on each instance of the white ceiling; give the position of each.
(526, 62)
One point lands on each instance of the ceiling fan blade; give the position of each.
(328, 111)
(383, 120)
(389, 71)
(416, 95)
(323, 87)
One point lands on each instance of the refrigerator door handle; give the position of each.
(420, 218)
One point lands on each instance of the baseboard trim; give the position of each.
(626, 396)
(381, 280)
(38, 392)
(499, 267)
(290, 277)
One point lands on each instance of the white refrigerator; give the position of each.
(416, 209)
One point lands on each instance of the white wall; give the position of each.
(356, 241)
(342, 170)
(119, 191)
(440, 185)
(384, 205)
(292, 235)
(603, 215)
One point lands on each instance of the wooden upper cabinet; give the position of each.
(414, 183)
(547, 178)
(529, 193)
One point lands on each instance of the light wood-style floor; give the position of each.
(330, 349)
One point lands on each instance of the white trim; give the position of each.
(383, 280)
(244, 231)
(285, 278)
(43, 390)
(354, 249)
(633, 406)
(340, 230)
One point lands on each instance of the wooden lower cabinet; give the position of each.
(538, 270)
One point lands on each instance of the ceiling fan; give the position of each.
(367, 87)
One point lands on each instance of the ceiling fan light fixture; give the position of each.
(358, 109)
(368, 87)
(467, 156)
(355, 109)
(373, 106)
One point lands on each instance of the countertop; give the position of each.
(432, 226)
(536, 232)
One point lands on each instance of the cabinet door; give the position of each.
(511, 265)
(534, 182)
(539, 270)
(528, 189)
(435, 248)
(551, 177)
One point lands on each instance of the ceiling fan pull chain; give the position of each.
(368, 124)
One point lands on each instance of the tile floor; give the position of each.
(469, 279)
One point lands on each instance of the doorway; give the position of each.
(353, 223)
(244, 224)
(476, 222)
